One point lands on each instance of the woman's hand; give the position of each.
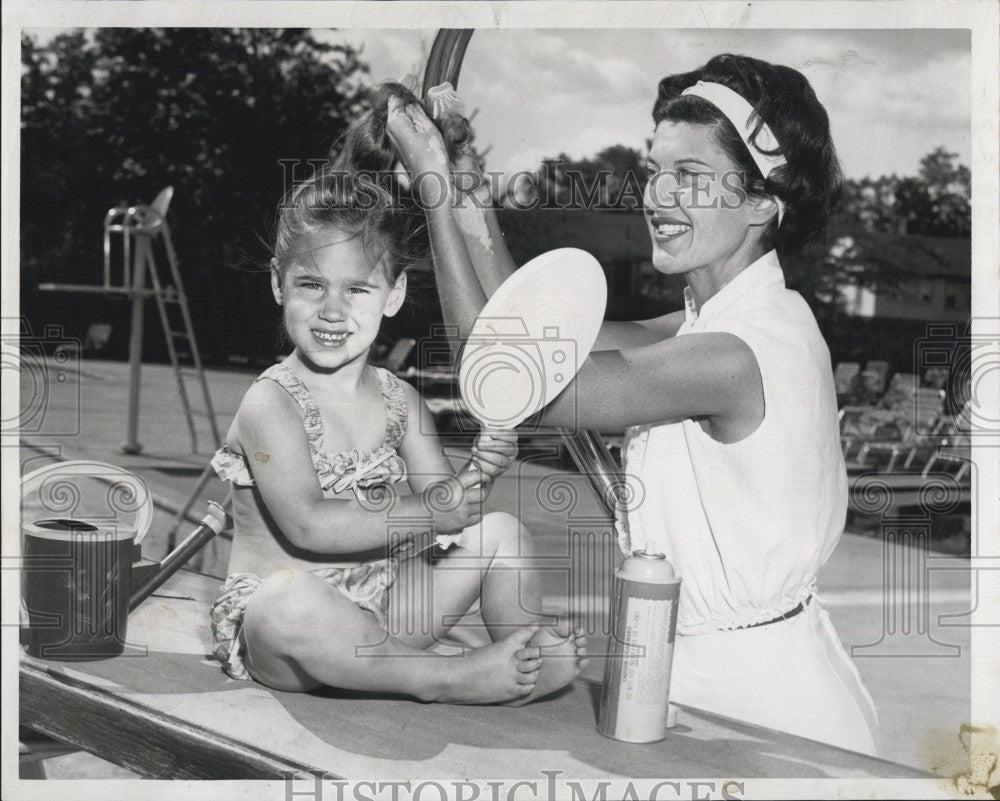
(421, 150)
(493, 452)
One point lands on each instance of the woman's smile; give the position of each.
(666, 228)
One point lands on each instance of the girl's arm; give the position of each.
(426, 462)
(270, 432)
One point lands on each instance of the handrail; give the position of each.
(587, 448)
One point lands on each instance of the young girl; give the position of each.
(730, 402)
(340, 484)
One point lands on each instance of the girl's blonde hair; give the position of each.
(357, 191)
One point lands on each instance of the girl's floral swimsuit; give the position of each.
(365, 584)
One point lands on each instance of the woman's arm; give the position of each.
(421, 150)
(711, 375)
(618, 335)
(470, 255)
(478, 224)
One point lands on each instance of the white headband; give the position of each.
(740, 113)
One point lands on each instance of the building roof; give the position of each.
(901, 255)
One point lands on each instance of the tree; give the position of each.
(611, 179)
(112, 115)
(935, 202)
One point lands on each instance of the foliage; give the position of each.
(112, 115)
(935, 202)
(611, 180)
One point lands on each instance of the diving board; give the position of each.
(165, 709)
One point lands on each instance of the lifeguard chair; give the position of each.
(139, 229)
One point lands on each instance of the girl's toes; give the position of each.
(582, 665)
(529, 665)
(529, 679)
(532, 652)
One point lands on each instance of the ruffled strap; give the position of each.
(396, 410)
(231, 466)
(312, 420)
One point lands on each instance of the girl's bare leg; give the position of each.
(301, 633)
(495, 565)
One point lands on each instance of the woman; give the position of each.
(730, 403)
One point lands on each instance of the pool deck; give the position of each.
(920, 681)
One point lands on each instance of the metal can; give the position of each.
(636, 690)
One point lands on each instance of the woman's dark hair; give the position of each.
(809, 184)
(357, 191)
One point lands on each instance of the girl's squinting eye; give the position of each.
(359, 290)
(309, 284)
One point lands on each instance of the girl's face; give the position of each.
(334, 298)
(697, 212)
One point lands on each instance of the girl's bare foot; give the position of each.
(494, 674)
(556, 657)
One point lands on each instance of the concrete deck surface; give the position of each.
(921, 682)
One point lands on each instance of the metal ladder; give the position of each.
(140, 226)
(168, 297)
(150, 224)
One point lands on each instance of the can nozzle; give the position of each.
(653, 553)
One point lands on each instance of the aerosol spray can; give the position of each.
(636, 690)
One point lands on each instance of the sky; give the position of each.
(892, 95)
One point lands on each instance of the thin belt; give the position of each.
(789, 614)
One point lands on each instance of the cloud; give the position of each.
(389, 53)
(892, 95)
